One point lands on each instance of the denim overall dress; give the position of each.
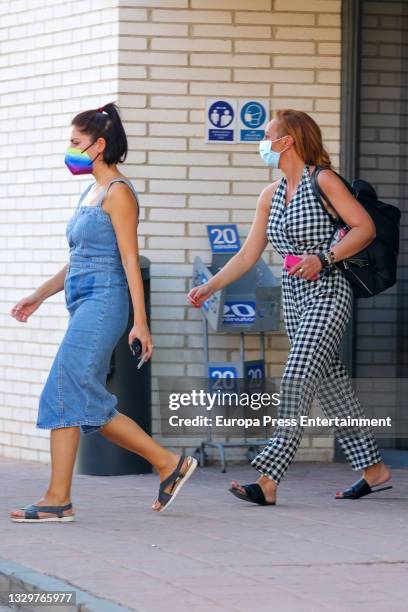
(96, 296)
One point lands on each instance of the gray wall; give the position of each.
(381, 322)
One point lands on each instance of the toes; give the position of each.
(235, 485)
(17, 513)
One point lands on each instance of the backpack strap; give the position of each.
(321, 195)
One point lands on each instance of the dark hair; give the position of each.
(105, 122)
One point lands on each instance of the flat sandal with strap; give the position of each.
(359, 489)
(253, 493)
(31, 514)
(177, 479)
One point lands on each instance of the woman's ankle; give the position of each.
(166, 461)
(57, 498)
(376, 467)
(268, 483)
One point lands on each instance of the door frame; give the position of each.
(350, 125)
(349, 144)
(351, 35)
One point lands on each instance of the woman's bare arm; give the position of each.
(362, 228)
(120, 204)
(253, 246)
(124, 213)
(52, 285)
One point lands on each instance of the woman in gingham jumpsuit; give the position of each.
(316, 313)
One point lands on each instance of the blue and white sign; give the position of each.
(253, 117)
(223, 377)
(222, 371)
(239, 313)
(254, 370)
(224, 238)
(221, 120)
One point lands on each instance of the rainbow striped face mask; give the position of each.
(78, 161)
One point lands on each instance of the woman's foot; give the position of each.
(374, 475)
(267, 485)
(377, 474)
(166, 471)
(46, 501)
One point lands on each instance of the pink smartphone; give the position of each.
(290, 260)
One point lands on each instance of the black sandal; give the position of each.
(254, 494)
(177, 479)
(359, 489)
(31, 514)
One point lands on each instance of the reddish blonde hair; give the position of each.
(306, 134)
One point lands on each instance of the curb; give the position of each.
(18, 578)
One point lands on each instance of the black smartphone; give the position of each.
(136, 348)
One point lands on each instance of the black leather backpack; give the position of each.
(373, 269)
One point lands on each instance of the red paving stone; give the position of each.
(211, 551)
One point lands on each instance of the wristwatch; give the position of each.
(324, 260)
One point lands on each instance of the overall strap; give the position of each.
(99, 203)
(83, 195)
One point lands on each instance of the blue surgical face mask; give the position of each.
(269, 156)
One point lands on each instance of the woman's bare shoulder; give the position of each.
(327, 177)
(329, 182)
(266, 195)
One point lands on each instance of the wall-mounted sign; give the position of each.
(221, 120)
(253, 116)
(231, 120)
(224, 238)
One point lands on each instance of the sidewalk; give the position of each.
(212, 552)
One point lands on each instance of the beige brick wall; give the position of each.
(57, 58)
(159, 59)
(279, 51)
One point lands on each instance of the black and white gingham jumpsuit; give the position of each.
(315, 314)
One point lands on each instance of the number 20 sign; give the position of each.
(224, 238)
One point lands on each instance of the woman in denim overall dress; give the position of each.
(315, 311)
(102, 237)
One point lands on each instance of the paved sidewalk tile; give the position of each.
(212, 552)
